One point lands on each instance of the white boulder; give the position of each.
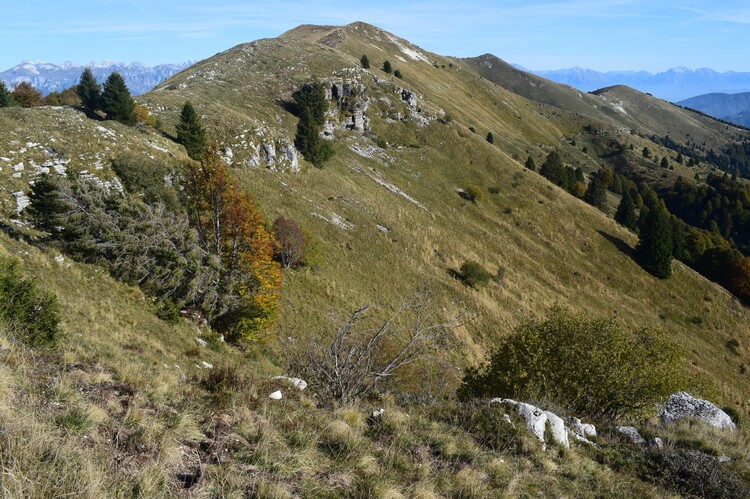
(682, 405)
(276, 395)
(299, 383)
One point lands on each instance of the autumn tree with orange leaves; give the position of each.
(232, 230)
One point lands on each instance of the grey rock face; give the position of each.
(409, 97)
(682, 405)
(631, 433)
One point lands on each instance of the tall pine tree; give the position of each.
(596, 194)
(315, 149)
(625, 214)
(89, 90)
(190, 132)
(654, 250)
(116, 101)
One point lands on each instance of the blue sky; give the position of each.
(600, 34)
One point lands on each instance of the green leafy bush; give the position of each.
(31, 313)
(473, 274)
(592, 366)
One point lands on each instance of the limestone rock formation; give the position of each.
(682, 405)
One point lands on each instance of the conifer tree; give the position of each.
(664, 162)
(654, 250)
(315, 149)
(116, 101)
(312, 96)
(530, 164)
(625, 214)
(89, 90)
(387, 67)
(312, 107)
(5, 99)
(190, 132)
(365, 62)
(47, 205)
(596, 194)
(490, 138)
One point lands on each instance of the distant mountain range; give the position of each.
(729, 107)
(675, 84)
(49, 78)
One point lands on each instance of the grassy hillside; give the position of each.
(388, 214)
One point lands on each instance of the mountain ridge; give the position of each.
(674, 84)
(48, 77)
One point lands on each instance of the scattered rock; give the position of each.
(657, 442)
(631, 433)
(507, 419)
(207, 365)
(201, 342)
(276, 395)
(227, 155)
(299, 383)
(59, 259)
(378, 412)
(682, 405)
(581, 431)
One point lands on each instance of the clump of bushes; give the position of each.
(590, 365)
(32, 314)
(473, 274)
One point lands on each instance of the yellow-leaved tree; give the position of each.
(233, 231)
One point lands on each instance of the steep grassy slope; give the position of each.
(391, 219)
(124, 407)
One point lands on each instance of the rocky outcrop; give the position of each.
(350, 97)
(537, 420)
(682, 405)
(409, 97)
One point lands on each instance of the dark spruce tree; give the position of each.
(596, 194)
(365, 62)
(530, 164)
(5, 99)
(47, 205)
(625, 214)
(116, 101)
(89, 90)
(398, 74)
(312, 97)
(664, 162)
(654, 250)
(315, 149)
(387, 67)
(190, 132)
(490, 138)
